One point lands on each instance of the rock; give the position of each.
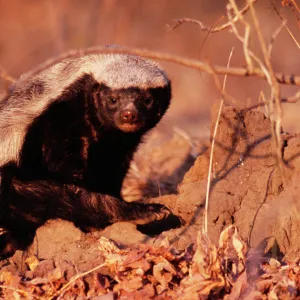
(60, 240)
(124, 234)
(56, 237)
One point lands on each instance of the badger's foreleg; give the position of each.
(29, 204)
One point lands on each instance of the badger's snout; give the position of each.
(130, 120)
(129, 116)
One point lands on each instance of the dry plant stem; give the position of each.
(205, 28)
(286, 27)
(191, 63)
(21, 292)
(5, 76)
(73, 279)
(275, 92)
(274, 36)
(293, 99)
(296, 6)
(218, 85)
(245, 40)
(212, 151)
(265, 69)
(264, 102)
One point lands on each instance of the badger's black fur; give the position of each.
(67, 136)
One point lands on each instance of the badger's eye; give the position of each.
(148, 101)
(112, 101)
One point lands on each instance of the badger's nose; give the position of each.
(129, 116)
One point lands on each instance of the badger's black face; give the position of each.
(132, 109)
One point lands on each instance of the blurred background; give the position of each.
(32, 31)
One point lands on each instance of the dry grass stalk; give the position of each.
(212, 151)
(285, 25)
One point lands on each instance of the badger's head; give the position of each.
(131, 94)
(131, 109)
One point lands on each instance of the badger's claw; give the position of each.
(153, 212)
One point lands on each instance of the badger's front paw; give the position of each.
(151, 212)
(160, 219)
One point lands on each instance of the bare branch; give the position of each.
(292, 99)
(210, 29)
(191, 63)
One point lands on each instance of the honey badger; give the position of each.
(67, 136)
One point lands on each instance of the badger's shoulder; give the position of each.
(32, 95)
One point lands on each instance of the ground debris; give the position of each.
(201, 271)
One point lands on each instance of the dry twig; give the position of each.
(296, 5)
(274, 36)
(210, 29)
(249, 55)
(74, 278)
(286, 27)
(19, 291)
(293, 99)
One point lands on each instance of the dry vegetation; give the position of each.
(232, 269)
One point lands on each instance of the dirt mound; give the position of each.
(247, 189)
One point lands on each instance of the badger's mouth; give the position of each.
(130, 127)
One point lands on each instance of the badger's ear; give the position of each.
(82, 85)
(103, 87)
